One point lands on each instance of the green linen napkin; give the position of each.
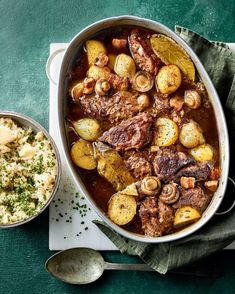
(219, 62)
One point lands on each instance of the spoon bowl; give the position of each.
(76, 266)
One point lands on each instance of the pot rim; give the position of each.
(213, 96)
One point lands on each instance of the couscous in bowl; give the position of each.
(30, 169)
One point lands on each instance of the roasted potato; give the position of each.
(122, 208)
(168, 79)
(171, 53)
(111, 166)
(202, 153)
(97, 72)
(125, 66)
(185, 216)
(82, 155)
(93, 49)
(130, 190)
(191, 135)
(166, 132)
(112, 59)
(87, 128)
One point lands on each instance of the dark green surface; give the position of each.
(27, 28)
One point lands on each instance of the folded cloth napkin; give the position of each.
(219, 62)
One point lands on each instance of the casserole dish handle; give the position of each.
(49, 63)
(233, 203)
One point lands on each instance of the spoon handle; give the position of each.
(198, 271)
(128, 267)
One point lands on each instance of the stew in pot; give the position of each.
(142, 130)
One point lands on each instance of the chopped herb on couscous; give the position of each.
(27, 171)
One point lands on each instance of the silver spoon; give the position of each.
(85, 265)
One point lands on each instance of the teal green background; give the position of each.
(26, 30)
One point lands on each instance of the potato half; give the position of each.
(166, 132)
(185, 216)
(122, 208)
(130, 190)
(82, 155)
(94, 48)
(111, 166)
(97, 72)
(171, 53)
(87, 128)
(202, 153)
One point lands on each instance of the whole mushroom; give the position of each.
(192, 99)
(88, 85)
(169, 193)
(150, 185)
(142, 81)
(102, 86)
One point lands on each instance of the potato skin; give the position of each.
(185, 216)
(166, 133)
(111, 166)
(94, 48)
(82, 155)
(191, 135)
(124, 66)
(97, 72)
(169, 79)
(202, 153)
(112, 59)
(87, 128)
(130, 190)
(122, 208)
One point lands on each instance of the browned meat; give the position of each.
(195, 198)
(142, 52)
(102, 60)
(166, 216)
(178, 117)
(133, 133)
(161, 103)
(177, 103)
(139, 165)
(121, 105)
(119, 83)
(199, 171)
(148, 213)
(167, 162)
(156, 217)
(119, 44)
(215, 173)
